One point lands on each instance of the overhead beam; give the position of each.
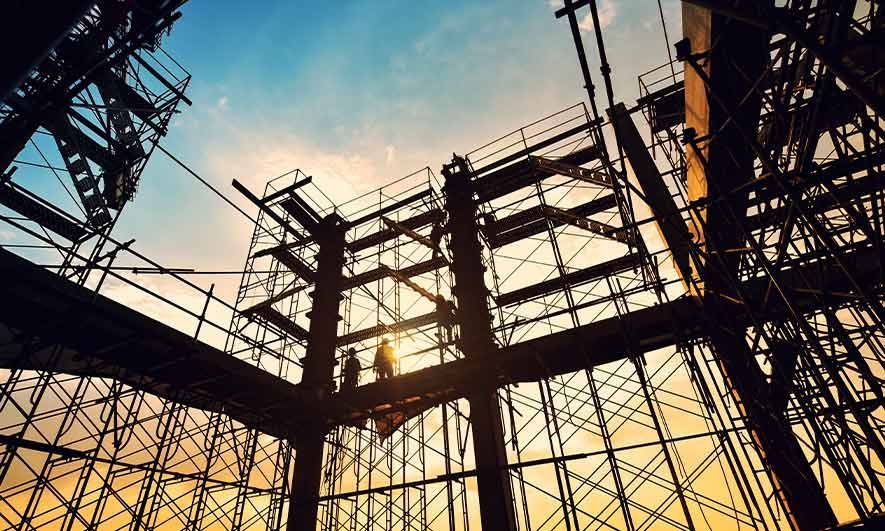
(405, 231)
(525, 172)
(393, 207)
(14, 198)
(301, 211)
(590, 225)
(651, 328)
(267, 313)
(598, 178)
(266, 209)
(393, 328)
(108, 340)
(103, 338)
(288, 258)
(573, 279)
(531, 221)
(415, 222)
(287, 190)
(384, 271)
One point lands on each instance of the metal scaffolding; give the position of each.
(665, 315)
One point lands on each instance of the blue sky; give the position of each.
(357, 94)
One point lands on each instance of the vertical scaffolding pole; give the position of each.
(474, 319)
(319, 364)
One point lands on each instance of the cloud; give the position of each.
(221, 104)
(390, 154)
(607, 11)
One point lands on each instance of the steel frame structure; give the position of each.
(90, 111)
(712, 361)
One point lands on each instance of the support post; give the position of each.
(732, 55)
(474, 319)
(319, 364)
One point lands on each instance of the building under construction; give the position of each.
(663, 313)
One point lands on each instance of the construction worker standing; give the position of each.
(352, 370)
(436, 234)
(384, 359)
(445, 315)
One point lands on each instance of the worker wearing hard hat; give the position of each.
(385, 358)
(351, 371)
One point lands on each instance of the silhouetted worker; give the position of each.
(384, 359)
(445, 315)
(436, 234)
(352, 370)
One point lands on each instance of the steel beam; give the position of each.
(381, 329)
(414, 223)
(531, 221)
(318, 369)
(46, 23)
(267, 210)
(652, 328)
(526, 172)
(13, 197)
(573, 279)
(474, 320)
(43, 313)
(393, 207)
(319, 364)
(109, 340)
(373, 275)
(657, 196)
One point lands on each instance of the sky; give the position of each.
(358, 93)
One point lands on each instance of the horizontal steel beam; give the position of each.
(420, 268)
(572, 280)
(103, 338)
(531, 221)
(600, 342)
(414, 223)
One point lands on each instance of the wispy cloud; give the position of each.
(607, 11)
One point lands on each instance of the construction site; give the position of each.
(647, 311)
